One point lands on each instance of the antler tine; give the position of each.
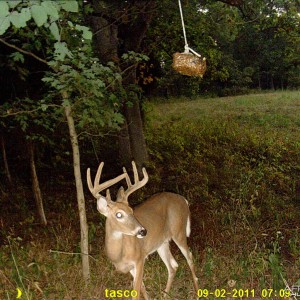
(137, 183)
(146, 177)
(98, 174)
(89, 181)
(108, 198)
(135, 172)
(128, 181)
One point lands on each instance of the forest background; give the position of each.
(92, 81)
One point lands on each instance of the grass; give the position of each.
(265, 111)
(236, 159)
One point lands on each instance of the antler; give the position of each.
(97, 187)
(137, 183)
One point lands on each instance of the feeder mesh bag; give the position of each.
(189, 64)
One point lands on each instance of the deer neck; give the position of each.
(113, 243)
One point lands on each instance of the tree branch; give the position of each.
(23, 51)
(11, 113)
(72, 253)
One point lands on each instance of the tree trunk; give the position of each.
(135, 126)
(35, 185)
(106, 39)
(106, 42)
(113, 37)
(136, 134)
(84, 244)
(6, 167)
(272, 82)
(133, 35)
(125, 153)
(259, 80)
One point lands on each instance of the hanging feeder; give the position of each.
(189, 62)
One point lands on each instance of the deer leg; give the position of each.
(138, 285)
(171, 264)
(144, 292)
(182, 245)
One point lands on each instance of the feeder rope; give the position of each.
(186, 46)
(187, 49)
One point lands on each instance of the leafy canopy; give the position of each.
(93, 89)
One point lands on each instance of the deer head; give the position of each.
(119, 214)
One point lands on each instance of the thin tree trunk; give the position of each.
(6, 167)
(84, 244)
(35, 185)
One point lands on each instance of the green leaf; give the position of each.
(61, 51)
(13, 4)
(26, 14)
(47, 79)
(17, 56)
(4, 24)
(55, 31)
(86, 33)
(39, 14)
(19, 19)
(66, 103)
(51, 9)
(4, 9)
(44, 107)
(129, 103)
(70, 6)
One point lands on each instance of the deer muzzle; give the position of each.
(141, 233)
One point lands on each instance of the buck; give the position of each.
(132, 234)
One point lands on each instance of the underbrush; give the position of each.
(237, 161)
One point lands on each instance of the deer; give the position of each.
(131, 234)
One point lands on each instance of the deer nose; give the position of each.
(142, 232)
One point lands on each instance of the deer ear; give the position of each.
(121, 195)
(102, 206)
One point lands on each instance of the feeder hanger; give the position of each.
(189, 62)
(187, 49)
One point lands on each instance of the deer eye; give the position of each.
(119, 215)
